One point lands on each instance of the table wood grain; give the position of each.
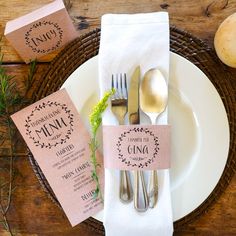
(32, 212)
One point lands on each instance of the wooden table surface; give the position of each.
(32, 212)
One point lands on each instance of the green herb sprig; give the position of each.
(30, 77)
(95, 122)
(10, 101)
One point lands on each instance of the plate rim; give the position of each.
(93, 62)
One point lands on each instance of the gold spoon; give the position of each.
(153, 101)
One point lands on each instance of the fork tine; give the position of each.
(125, 87)
(112, 81)
(119, 83)
(121, 86)
(114, 85)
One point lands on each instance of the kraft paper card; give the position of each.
(136, 147)
(59, 141)
(41, 31)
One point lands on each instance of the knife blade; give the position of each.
(140, 190)
(133, 97)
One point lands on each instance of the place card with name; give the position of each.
(136, 147)
(41, 31)
(59, 142)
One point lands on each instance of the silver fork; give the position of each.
(119, 105)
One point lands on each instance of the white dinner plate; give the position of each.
(200, 130)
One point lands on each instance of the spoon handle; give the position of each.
(153, 189)
(140, 192)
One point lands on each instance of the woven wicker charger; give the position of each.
(182, 43)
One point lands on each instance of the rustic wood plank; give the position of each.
(32, 212)
(200, 18)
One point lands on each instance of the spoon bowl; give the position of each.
(153, 93)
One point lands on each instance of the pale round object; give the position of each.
(224, 41)
(199, 129)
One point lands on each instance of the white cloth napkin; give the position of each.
(126, 42)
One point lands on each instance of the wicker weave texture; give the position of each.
(182, 43)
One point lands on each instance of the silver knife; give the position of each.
(140, 190)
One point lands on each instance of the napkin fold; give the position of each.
(126, 42)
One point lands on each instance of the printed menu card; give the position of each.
(59, 141)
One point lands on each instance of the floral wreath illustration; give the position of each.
(137, 130)
(40, 24)
(40, 107)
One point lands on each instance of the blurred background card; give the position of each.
(41, 31)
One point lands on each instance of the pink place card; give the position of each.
(41, 32)
(59, 141)
(136, 147)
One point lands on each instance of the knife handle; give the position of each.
(126, 193)
(153, 189)
(140, 192)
